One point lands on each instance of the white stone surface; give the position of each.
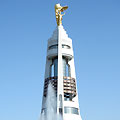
(60, 37)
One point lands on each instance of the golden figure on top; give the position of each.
(58, 10)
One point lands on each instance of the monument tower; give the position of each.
(60, 73)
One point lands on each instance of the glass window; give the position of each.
(43, 111)
(56, 46)
(53, 46)
(52, 70)
(66, 68)
(55, 62)
(65, 46)
(68, 97)
(68, 73)
(71, 110)
(54, 67)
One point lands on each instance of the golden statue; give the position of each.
(58, 10)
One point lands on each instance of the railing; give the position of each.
(53, 81)
(69, 86)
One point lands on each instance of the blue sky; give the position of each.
(26, 25)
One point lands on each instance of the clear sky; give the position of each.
(26, 25)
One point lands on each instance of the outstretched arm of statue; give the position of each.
(63, 14)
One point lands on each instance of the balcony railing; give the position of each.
(68, 82)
